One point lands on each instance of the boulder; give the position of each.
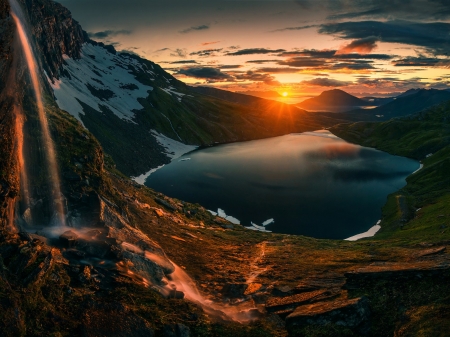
(291, 302)
(351, 313)
(69, 238)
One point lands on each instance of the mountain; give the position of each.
(262, 94)
(410, 102)
(332, 100)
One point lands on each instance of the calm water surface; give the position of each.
(312, 184)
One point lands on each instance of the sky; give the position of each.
(298, 47)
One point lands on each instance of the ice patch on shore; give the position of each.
(371, 232)
(174, 149)
(221, 214)
(420, 167)
(143, 177)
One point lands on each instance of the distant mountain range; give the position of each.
(410, 102)
(333, 100)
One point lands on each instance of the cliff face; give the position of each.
(9, 182)
(55, 33)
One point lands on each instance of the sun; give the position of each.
(285, 94)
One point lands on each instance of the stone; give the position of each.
(69, 238)
(179, 295)
(176, 330)
(165, 204)
(253, 288)
(291, 302)
(159, 212)
(282, 291)
(432, 251)
(351, 313)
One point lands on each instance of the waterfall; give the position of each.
(50, 154)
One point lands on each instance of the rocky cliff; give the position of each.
(55, 33)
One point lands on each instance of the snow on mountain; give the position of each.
(100, 78)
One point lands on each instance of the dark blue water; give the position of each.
(312, 184)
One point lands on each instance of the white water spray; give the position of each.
(19, 18)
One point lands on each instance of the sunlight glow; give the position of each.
(285, 94)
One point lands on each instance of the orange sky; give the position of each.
(301, 47)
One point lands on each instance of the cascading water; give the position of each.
(54, 179)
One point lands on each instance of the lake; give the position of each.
(312, 184)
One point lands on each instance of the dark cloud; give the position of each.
(253, 51)
(293, 28)
(208, 73)
(257, 77)
(179, 53)
(364, 45)
(194, 28)
(230, 66)
(309, 53)
(284, 70)
(108, 34)
(421, 62)
(433, 36)
(326, 82)
(302, 62)
(206, 52)
(364, 56)
(183, 62)
(261, 61)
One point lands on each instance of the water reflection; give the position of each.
(312, 184)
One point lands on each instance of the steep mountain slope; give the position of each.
(333, 100)
(410, 102)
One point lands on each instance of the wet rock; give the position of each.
(176, 330)
(4, 188)
(350, 313)
(316, 282)
(253, 288)
(234, 290)
(85, 275)
(165, 204)
(282, 291)
(432, 251)
(291, 302)
(69, 238)
(396, 272)
(179, 295)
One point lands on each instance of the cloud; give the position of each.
(208, 43)
(108, 33)
(208, 73)
(364, 56)
(284, 70)
(257, 77)
(326, 82)
(194, 28)
(432, 36)
(363, 46)
(293, 28)
(303, 62)
(206, 52)
(411, 61)
(230, 66)
(326, 53)
(261, 61)
(183, 62)
(179, 53)
(253, 51)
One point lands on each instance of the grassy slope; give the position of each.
(416, 137)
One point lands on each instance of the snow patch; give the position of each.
(143, 177)
(420, 167)
(221, 213)
(371, 232)
(174, 149)
(106, 74)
